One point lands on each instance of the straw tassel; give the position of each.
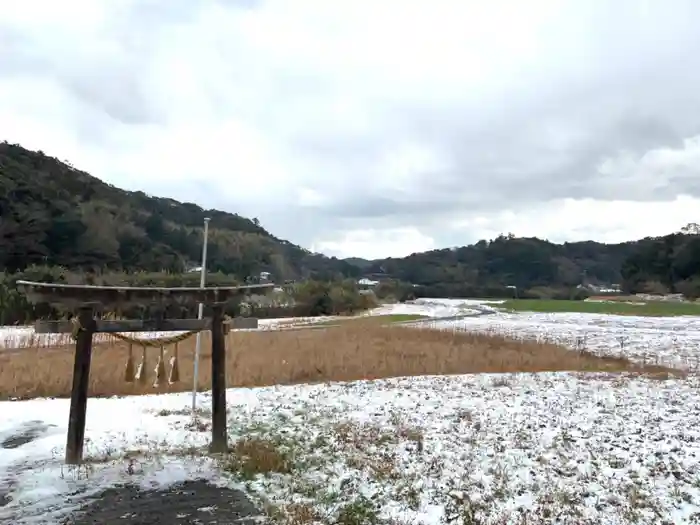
(160, 369)
(140, 372)
(174, 368)
(129, 369)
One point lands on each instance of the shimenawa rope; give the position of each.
(153, 342)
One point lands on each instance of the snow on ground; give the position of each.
(555, 448)
(25, 337)
(287, 322)
(671, 341)
(419, 309)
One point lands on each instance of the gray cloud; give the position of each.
(431, 120)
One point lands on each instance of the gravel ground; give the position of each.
(192, 502)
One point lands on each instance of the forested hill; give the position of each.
(54, 214)
(540, 268)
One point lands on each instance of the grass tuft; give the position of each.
(252, 456)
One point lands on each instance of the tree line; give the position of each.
(306, 298)
(668, 264)
(509, 266)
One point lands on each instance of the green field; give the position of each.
(400, 318)
(651, 308)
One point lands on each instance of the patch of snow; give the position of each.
(286, 322)
(437, 307)
(25, 336)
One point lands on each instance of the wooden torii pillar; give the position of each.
(87, 299)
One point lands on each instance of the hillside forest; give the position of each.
(60, 223)
(530, 267)
(53, 214)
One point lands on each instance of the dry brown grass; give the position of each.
(252, 455)
(349, 352)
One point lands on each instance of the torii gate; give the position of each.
(89, 299)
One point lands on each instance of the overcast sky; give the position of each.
(373, 127)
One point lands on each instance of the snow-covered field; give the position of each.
(670, 341)
(554, 448)
(529, 448)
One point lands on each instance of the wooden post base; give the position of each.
(219, 437)
(79, 391)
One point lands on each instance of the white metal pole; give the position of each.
(200, 313)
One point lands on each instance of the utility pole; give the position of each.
(200, 313)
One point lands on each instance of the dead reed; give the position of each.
(348, 352)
